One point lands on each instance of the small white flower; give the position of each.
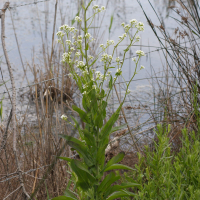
(77, 54)
(90, 57)
(79, 42)
(64, 117)
(103, 8)
(124, 35)
(138, 38)
(95, 7)
(78, 19)
(70, 75)
(72, 49)
(134, 59)
(101, 45)
(80, 37)
(109, 42)
(133, 21)
(123, 24)
(68, 42)
(84, 92)
(117, 59)
(94, 87)
(80, 64)
(140, 26)
(142, 67)
(128, 91)
(127, 27)
(60, 34)
(87, 35)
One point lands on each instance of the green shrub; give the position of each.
(162, 174)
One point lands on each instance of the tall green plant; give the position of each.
(88, 173)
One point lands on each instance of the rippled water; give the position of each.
(31, 20)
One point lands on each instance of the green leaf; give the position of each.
(110, 83)
(82, 114)
(77, 127)
(64, 198)
(77, 14)
(105, 131)
(69, 193)
(117, 128)
(84, 176)
(118, 166)
(108, 180)
(93, 62)
(65, 158)
(80, 148)
(88, 138)
(120, 194)
(111, 22)
(116, 188)
(115, 160)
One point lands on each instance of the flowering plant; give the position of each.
(88, 172)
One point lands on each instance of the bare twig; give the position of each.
(3, 143)
(6, 5)
(54, 25)
(127, 121)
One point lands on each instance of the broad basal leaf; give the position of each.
(118, 166)
(119, 157)
(80, 148)
(120, 194)
(105, 131)
(108, 180)
(82, 114)
(116, 188)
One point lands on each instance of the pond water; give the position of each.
(33, 22)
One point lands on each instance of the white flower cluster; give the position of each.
(140, 53)
(68, 42)
(81, 65)
(78, 19)
(64, 117)
(133, 24)
(66, 57)
(98, 9)
(67, 28)
(77, 54)
(99, 75)
(60, 34)
(142, 67)
(117, 60)
(123, 36)
(90, 57)
(106, 58)
(87, 35)
(110, 42)
(140, 26)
